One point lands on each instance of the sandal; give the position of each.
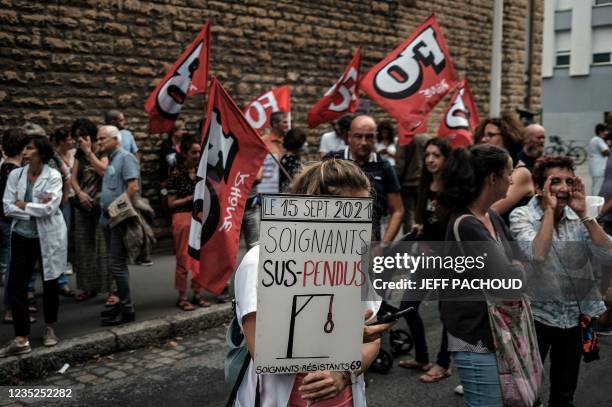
(197, 300)
(431, 377)
(111, 300)
(84, 296)
(66, 292)
(413, 364)
(184, 304)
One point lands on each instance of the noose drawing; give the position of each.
(328, 327)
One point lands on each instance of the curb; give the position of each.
(126, 337)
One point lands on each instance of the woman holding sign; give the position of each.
(326, 388)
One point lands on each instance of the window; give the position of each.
(602, 2)
(601, 58)
(563, 58)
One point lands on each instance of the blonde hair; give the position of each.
(330, 177)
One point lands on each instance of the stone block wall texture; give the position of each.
(61, 60)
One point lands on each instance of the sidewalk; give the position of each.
(82, 337)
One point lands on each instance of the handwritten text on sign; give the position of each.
(309, 283)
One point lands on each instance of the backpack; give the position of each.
(237, 358)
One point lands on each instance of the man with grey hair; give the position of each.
(117, 119)
(361, 149)
(121, 176)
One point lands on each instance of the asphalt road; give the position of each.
(189, 371)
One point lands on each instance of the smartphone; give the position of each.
(393, 317)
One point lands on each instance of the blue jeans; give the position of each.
(480, 379)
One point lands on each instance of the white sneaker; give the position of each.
(13, 349)
(49, 338)
(68, 271)
(459, 390)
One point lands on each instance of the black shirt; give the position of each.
(469, 320)
(292, 164)
(383, 179)
(181, 185)
(434, 228)
(529, 161)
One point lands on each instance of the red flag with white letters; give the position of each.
(232, 153)
(460, 118)
(413, 78)
(341, 98)
(188, 76)
(258, 111)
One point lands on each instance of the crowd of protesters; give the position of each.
(75, 196)
(502, 189)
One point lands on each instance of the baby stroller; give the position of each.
(393, 344)
(398, 341)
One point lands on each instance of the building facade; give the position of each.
(62, 60)
(576, 67)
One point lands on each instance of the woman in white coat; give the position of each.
(38, 232)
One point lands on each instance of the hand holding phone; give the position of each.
(393, 317)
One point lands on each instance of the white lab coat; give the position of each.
(52, 231)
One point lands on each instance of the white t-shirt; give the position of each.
(274, 389)
(331, 142)
(391, 149)
(597, 161)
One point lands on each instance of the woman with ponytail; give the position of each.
(472, 181)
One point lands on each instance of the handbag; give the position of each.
(590, 340)
(519, 365)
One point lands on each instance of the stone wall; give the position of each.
(62, 60)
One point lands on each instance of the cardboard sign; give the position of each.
(309, 314)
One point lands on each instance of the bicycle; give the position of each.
(559, 147)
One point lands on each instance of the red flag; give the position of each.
(413, 78)
(460, 118)
(404, 136)
(188, 76)
(232, 153)
(341, 98)
(258, 111)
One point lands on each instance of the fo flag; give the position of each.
(232, 153)
(460, 118)
(341, 98)
(188, 76)
(258, 111)
(413, 78)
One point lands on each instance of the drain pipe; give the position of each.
(496, 59)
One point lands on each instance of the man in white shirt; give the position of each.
(336, 140)
(598, 155)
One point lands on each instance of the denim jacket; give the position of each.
(571, 245)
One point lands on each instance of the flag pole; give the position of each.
(282, 167)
